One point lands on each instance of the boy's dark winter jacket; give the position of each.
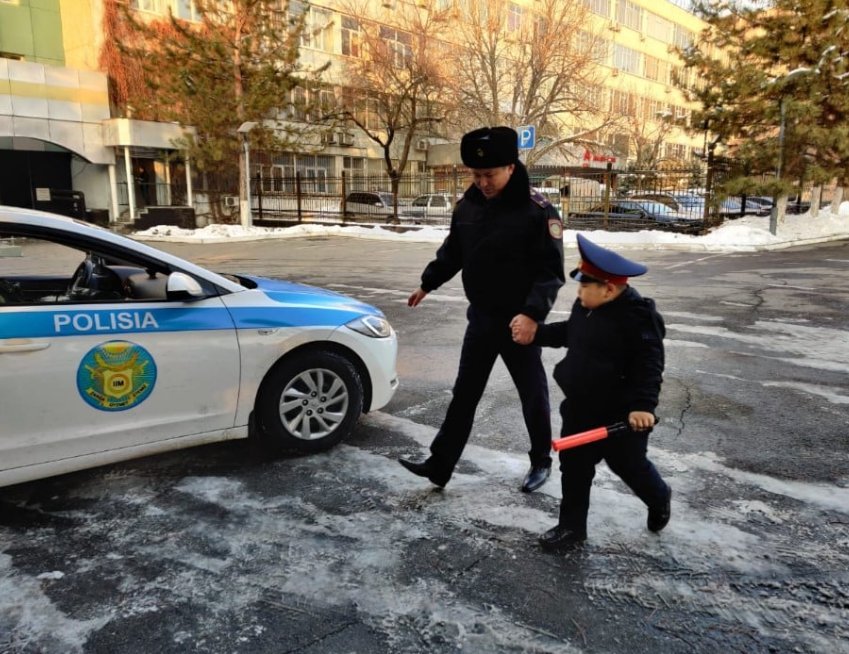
(614, 363)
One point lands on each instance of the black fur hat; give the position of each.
(490, 147)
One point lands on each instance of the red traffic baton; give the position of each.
(589, 436)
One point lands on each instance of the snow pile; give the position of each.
(743, 234)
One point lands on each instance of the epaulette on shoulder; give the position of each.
(540, 199)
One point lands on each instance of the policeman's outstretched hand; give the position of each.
(416, 297)
(523, 329)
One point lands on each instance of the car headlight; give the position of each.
(374, 326)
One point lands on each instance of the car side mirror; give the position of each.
(181, 286)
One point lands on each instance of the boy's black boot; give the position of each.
(429, 469)
(561, 538)
(659, 516)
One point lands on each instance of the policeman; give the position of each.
(507, 240)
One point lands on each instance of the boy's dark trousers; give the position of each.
(486, 338)
(625, 455)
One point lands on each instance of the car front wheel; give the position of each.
(310, 401)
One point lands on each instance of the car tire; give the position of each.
(309, 402)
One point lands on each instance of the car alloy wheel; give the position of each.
(310, 401)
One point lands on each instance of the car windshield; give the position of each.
(420, 201)
(386, 198)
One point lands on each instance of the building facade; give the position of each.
(61, 148)
(58, 132)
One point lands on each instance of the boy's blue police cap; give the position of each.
(600, 264)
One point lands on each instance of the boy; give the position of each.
(612, 373)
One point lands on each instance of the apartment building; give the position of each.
(57, 130)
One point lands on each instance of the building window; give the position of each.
(599, 7)
(627, 60)
(592, 97)
(653, 110)
(682, 37)
(658, 28)
(186, 10)
(400, 44)
(624, 104)
(317, 33)
(351, 37)
(596, 47)
(150, 6)
(514, 17)
(676, 151)
(656, 70)
(630, 15)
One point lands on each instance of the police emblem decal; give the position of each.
(116, 376)
(555, 228)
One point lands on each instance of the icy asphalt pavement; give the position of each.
(218, 549)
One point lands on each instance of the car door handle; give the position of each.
(8, 345)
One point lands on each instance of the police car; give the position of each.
(111, 349)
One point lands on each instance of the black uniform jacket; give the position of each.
(614, 363)
(510, 250)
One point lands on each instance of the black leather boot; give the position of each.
(535, 478)
(561, 538)
(427, 468)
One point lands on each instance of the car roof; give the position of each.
(34, 218)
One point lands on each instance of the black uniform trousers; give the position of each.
(486, 338)
(625, 455)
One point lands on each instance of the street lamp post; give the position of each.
(245, 214)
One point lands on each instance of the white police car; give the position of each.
(111, 349)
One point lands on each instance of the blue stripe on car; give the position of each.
(68, 322)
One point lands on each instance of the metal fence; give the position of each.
(589, 201)
(682, 200)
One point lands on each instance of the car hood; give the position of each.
(292, 293)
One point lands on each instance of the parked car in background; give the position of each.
(111, 349)
(757, 205)
(664, 198)
(369, 204)
(431, 207)
(633, 215)
(689, 203)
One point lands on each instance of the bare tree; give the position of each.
(647, 134)
(396, 77)
(535, 65)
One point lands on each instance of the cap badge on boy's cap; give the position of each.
(490, 147)
(600, 264)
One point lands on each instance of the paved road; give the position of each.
(218, 549)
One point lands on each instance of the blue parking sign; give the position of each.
(527, 137)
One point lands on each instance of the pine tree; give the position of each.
(774, 88)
